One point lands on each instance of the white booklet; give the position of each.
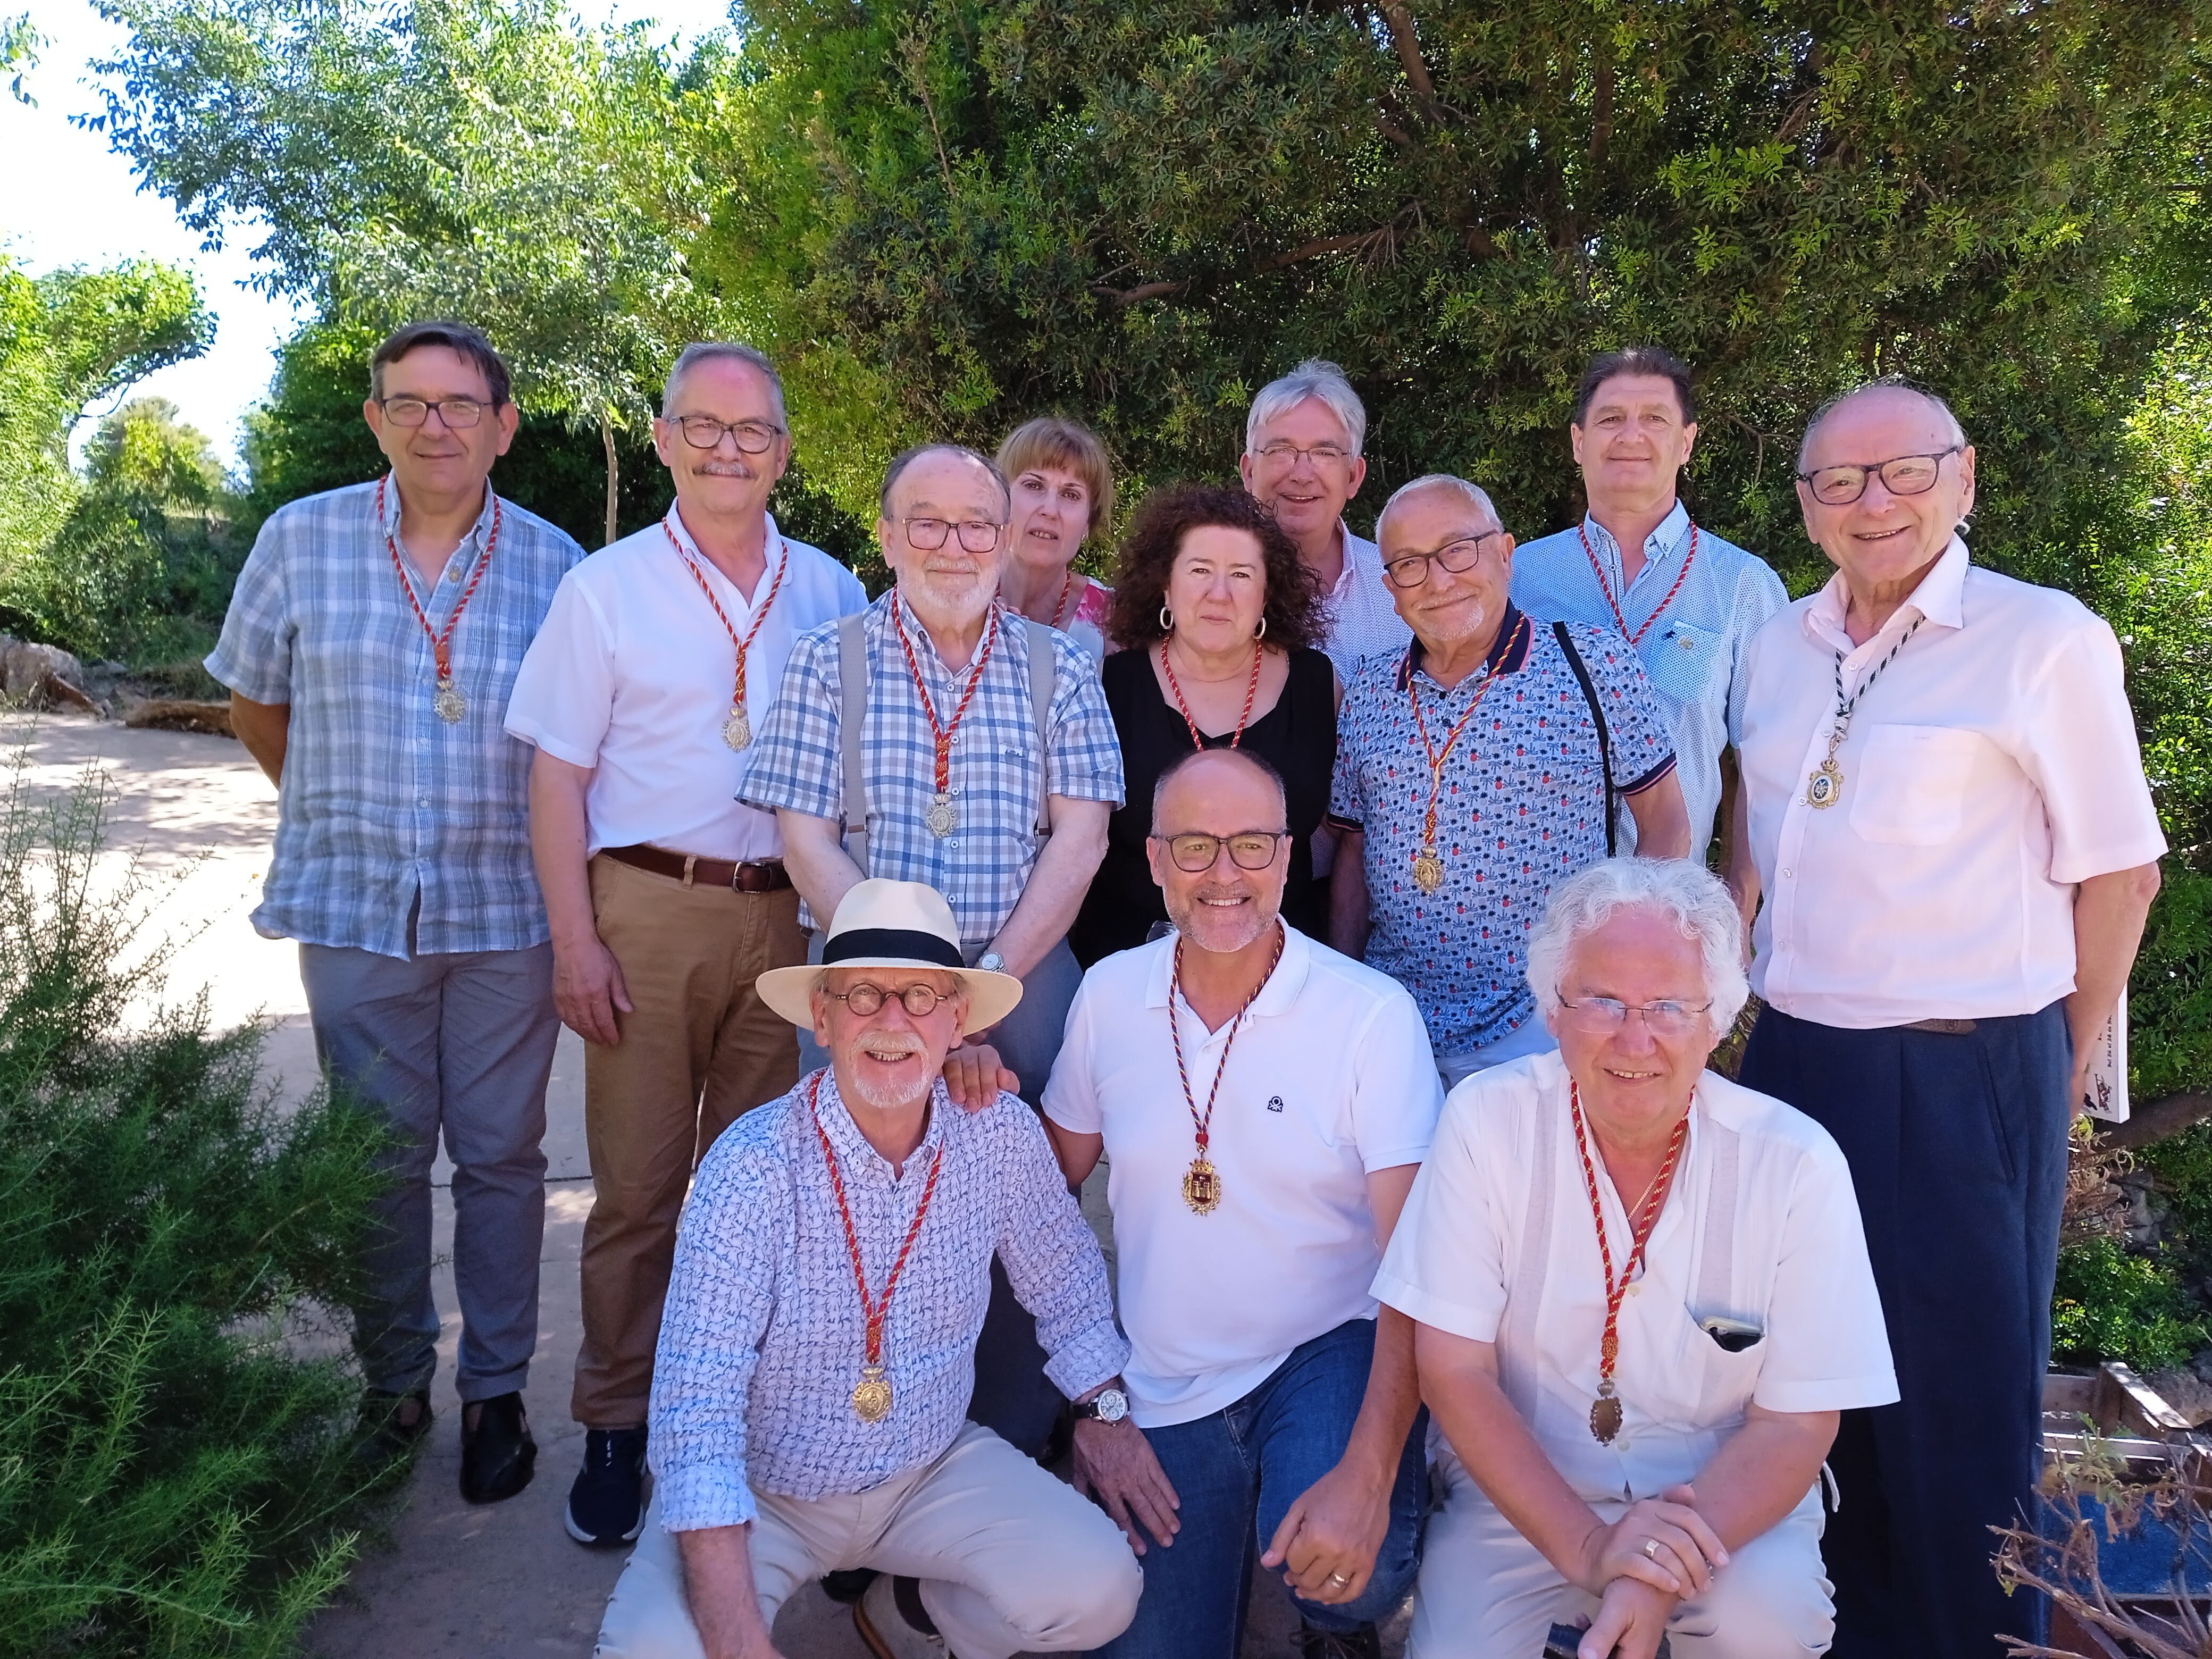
(2108, 1069)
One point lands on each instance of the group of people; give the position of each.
(1349, 901)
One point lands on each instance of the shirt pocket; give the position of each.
(1910, 790)
(1685, 662)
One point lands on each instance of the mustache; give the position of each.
(890, 1048)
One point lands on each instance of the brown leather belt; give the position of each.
(1943, 1027)
(759, 876)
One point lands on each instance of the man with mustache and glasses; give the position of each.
(1477, 769)
(832, 1274)
(668, 899)
(939, 737)
(1265, 1104)
(371, 643)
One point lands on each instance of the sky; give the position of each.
(66, 199)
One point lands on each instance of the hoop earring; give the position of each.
(1261, 632)
(1167, 620)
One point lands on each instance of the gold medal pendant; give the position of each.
(940, 820)
(1605, 1415)
(1201, 1186)
(871, 1396)
(449, 702)
(1825, 788)
(1428, 870)
(737, 730)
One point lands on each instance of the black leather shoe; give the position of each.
(386, 1430)
(606, 1506)
(498, 1456)
(1315, 1643)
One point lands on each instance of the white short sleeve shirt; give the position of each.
(631, 675)
(1329, 1080)
(1361, 619)
(1992, 766)
(1496, 1245)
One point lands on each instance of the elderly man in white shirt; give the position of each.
(1642, 1298)
(1947, 808)
(1302, 462)
(668, 899)
(1265, 1102)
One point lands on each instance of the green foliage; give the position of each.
(2113, 1305)
(18, 54)
(173, 1479)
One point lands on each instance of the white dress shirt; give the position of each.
(1496, 1245)
(632, 673)
(1328, 1080)
(1991, 768)
(1360, 617)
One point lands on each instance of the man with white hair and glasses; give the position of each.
(1641, 1297)
(1302, 462)
(1477, 769)
(1958, 849)
(668, 899)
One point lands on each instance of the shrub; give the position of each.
(2111, 1305)
(174, 1479)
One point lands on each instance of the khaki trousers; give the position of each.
(1011, 1560)
(698, 1048)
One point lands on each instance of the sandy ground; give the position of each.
(450, 1581)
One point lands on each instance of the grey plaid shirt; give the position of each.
(382, 801)
(983, 865)
(763, 1336)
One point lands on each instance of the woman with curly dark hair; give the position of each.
(1217, 621)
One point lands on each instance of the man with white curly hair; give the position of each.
(1642, 1298)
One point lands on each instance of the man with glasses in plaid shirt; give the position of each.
(939, 737)
(372, 641)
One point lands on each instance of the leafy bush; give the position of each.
(174, 1479)
(2110, 1304)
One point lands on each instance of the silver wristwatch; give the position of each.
(1108, 1406)
(992, 962)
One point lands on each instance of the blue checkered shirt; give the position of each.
(383, 802)
(983, 865)
(1693, 653)
(763, 1338)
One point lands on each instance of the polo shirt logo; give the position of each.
(1274, 1103)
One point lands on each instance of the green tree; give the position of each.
(460, 157)
(18, 54)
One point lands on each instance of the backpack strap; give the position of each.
(1044, 671)
(1604, 739)
(852, 718)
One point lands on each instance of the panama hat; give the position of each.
(892, 924)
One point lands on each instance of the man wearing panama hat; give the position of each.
(832, 1271)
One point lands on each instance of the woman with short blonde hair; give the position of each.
(1061, 482)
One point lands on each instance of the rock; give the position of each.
(2190, 1394)
(177, 715)
(26, 669)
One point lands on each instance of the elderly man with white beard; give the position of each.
(937, 737)
(1265, 1102)
(831, 1275)
(1642, 1299)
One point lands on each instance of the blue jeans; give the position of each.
(1237, 1473)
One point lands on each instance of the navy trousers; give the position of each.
(1957, 1146)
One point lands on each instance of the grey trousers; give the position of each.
(462, 1044)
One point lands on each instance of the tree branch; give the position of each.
(2155, 1121)
(916, 52)
(1398, 17)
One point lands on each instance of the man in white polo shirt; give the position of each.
(1958, 849)
(1265, 1102)
(667, 898)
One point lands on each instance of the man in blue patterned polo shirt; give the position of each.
(371, 646)
(1688, 601)
(1475, 771)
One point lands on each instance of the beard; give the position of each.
(1220, 931)
(947, 597)
(886, 1093)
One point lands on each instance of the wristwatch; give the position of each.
(1108, 1406)
(992, 962)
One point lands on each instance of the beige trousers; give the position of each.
(698, 1048)
(1011, 1560)
(1486, 1592)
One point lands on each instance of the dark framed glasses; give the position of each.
(867, 998)
(927, 535)
(1412, 569)
(455, 412)
(1901, 474)
(753, 437)
(1194, 853)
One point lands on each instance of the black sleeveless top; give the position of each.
(1298, 737)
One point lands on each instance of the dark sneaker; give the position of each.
(1315, 1643)
(498, 1456)
(606, 1506)
(847, 1584)
(391, 1424)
